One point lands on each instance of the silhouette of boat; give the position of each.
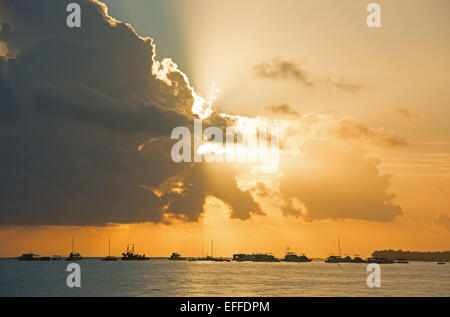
(255, 257)
(74, 256)
(176, 257)
(358, 259)
(221, 259)
(131, 256)
(264, 257)
(241, 257)
(29, 257)
(292, 257)
(346, 259)
(210, 257)
(380, 260)
(335, 259)
(109, 257)
(338, 258)
(440, 263)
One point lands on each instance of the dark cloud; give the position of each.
(199, 181)
(283, 109)
(75, 106)
(337, 182)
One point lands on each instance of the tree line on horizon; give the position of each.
(413, 255)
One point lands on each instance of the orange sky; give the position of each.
(404, 69)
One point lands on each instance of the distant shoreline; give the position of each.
(422, 256)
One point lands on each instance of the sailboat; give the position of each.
(109, 257)
(339, 259)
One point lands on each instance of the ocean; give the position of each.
(161, 277)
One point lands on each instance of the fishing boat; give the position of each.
(74, 256)
(129, 255)
(176, 257)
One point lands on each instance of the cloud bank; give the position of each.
(76, 107)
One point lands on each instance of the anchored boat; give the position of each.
(29, 257)
(109, 257)
(129, 255)
(292, 257)
(74, 256)
(177, 257)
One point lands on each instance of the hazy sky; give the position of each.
(366, 144)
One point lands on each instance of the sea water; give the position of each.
(161, 277)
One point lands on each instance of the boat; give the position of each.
(334, 259)
(264, 257)
(380, 260)
(346, 259)
(109, 257)
(292, 257)
(29, 257)
(129, 255)
(45, 258)
(220, 259)
(176, 257)
(358, 259)
(440, 263)
(241, 257)
(74, 256)
(210, 257)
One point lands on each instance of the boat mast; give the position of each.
(339, 247)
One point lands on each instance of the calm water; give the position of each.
(160, 277)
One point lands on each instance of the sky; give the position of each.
(86, 117)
